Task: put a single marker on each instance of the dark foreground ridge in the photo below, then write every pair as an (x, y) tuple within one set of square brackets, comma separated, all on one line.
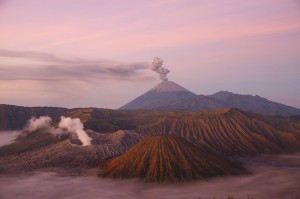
[(167, 159)]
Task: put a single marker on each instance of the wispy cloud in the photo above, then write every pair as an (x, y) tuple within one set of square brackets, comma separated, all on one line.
[(54, 67)]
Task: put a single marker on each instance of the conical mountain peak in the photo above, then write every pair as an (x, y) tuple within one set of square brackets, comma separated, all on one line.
[(168, 86), (160, 97), (167, 158)]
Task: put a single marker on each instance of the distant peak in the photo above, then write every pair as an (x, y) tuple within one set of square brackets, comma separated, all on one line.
[(168, 86), (228, 94), (223, 93)]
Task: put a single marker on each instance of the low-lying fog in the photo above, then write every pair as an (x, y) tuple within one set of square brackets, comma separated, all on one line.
[(274, 177), (7, 137)]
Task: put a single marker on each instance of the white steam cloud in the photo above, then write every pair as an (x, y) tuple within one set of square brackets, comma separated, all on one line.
[(72, 125), (75, 126), (157, 67), (38, 123)]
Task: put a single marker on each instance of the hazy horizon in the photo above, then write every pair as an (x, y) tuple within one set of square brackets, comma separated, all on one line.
[(77, 53)]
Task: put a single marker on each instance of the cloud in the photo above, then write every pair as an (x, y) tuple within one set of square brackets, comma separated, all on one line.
[(53, 67), (270, 179)]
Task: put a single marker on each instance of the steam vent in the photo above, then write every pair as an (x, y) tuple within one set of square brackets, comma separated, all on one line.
[(166, 159)]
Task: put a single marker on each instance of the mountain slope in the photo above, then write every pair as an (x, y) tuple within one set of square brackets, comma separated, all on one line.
[(160, 96), (168, 86), (194, 103), (166, 158), (170, 96), (224, 99), (226, 131), (254, 104)]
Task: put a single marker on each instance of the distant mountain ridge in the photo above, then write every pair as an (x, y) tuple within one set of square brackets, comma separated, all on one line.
[(255, 104), (15, 117), (171, 96)]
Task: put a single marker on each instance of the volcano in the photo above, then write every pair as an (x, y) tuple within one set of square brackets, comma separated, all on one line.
[(160, 97), (168, 95), (167, 159)]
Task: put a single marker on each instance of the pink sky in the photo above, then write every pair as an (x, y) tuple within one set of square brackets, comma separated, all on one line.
[(246, 47)]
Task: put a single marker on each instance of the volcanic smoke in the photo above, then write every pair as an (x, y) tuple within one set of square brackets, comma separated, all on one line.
[(72, 125), (75, 126), (157, 67), (38, 123)]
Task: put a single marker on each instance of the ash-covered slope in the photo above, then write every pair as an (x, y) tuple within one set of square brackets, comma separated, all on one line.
[(160, 97), (228, 131), (166, 158)]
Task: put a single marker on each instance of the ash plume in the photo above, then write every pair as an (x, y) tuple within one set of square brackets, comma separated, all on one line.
[(38, 123), (53, 67), (75, 126), (157, 67)]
